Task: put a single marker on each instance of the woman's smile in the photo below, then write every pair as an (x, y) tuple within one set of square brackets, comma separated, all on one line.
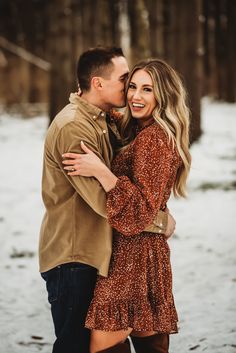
[(137, 106)]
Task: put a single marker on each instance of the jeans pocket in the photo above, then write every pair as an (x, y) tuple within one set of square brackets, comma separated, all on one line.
[(52, 279)]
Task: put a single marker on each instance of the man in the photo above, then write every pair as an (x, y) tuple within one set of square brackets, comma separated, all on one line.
[(76, 239)]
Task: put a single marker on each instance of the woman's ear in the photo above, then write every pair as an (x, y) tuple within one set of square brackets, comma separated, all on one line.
[(96, 82)]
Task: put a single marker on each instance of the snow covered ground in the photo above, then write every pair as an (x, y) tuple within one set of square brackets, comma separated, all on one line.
[(203, 249)]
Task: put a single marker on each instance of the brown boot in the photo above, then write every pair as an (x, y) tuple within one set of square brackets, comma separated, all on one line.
[(158, 343), (118, 348)]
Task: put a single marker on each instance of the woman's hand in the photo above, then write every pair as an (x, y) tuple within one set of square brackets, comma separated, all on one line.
[(87, 164), (171, 223)]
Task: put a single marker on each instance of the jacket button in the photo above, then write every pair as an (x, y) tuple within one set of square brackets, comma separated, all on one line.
[(104, 131), (94, 117), (102, 114)]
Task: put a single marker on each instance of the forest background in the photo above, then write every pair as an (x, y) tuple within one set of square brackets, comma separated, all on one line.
[(40, 42)]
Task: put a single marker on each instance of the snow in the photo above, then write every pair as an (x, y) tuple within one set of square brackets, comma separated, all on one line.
[(203, 248)]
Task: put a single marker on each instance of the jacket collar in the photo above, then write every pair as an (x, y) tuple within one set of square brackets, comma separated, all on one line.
[(90, 108)]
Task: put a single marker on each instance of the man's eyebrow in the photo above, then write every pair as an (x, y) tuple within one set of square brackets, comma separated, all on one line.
[(124, 75)]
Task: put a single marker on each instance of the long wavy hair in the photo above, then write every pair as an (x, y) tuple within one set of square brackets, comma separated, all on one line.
[(171, 113)]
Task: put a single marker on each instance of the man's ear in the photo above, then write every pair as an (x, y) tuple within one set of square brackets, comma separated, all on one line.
[(96, 82)]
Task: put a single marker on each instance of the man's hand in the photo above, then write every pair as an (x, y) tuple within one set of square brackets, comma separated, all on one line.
[(170, 225)]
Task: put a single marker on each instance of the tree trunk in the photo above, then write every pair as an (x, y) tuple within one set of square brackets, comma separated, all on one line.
[(169, 31), (104, 32), (62, 77), (155, 19), (220, 38), (114, 10), (139, 31), (231, 52), (206, 46), (183, 50)]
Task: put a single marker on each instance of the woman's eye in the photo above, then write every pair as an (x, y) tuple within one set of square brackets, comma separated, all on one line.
[(147, 89), (132, 86)]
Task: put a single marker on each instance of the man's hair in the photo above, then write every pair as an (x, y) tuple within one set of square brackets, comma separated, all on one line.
[(96, 62)]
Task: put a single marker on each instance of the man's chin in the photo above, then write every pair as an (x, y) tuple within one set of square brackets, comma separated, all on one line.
[(120, 105)]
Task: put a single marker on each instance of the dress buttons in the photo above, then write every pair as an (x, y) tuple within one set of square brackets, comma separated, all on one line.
[(94, 117), (102, 114), (104, 131)]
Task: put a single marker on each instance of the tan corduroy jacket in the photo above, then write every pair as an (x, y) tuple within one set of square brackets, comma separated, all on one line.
[(75, 227)]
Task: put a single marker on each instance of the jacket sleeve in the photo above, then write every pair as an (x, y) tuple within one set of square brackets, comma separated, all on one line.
[(133, 204), (88, 188)]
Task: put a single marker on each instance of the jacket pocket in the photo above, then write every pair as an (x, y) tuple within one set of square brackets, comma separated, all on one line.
[(52, 279)]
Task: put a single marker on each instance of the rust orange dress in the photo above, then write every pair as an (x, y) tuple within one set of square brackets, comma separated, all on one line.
[(138, 290)]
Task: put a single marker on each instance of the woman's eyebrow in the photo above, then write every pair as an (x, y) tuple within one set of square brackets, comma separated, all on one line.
[(144, 85)]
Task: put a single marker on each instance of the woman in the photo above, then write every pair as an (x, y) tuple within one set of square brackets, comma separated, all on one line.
[(136, 298)]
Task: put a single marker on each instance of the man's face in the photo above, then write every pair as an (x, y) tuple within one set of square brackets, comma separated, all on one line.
[(113, 92)]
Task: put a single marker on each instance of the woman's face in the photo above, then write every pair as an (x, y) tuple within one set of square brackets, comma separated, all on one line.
[(140, 97)]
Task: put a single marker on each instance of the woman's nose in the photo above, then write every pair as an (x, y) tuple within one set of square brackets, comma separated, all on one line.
[(137, 94)]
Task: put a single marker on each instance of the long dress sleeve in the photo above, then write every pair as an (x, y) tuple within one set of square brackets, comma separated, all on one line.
[(133, 203)]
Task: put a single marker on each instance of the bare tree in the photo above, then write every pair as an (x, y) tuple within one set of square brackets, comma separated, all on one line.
[(139, 31), (155, 9), (183, 49), (230, 95), (62, 77)]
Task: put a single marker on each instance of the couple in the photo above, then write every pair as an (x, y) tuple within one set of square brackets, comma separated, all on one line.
[(148, 148)]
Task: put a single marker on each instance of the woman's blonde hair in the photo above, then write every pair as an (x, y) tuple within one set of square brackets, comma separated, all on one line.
[(171, 113)]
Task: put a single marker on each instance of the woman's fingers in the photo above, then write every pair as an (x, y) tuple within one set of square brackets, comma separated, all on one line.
[(77, 155), (85, 148), (70, 161), (76, 172), (70, 155), (71, 168)]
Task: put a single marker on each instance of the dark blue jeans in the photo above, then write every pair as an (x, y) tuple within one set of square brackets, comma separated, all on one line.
[(70, 290)]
